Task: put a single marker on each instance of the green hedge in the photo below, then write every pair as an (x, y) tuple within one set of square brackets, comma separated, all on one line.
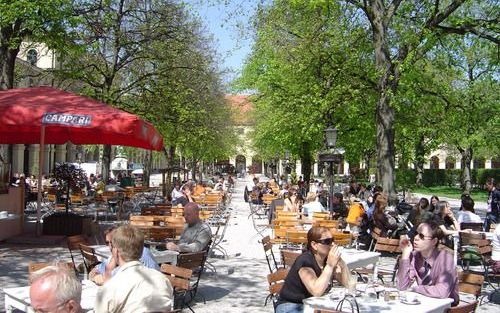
[(442, 177)]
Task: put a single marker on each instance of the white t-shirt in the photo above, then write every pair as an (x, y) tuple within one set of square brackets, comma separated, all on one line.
[(495, 254), (468, 217), (311, 207)]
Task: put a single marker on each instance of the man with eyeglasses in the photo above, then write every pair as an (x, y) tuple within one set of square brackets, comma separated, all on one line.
[(106, 269), (425, 269), (55, 289)]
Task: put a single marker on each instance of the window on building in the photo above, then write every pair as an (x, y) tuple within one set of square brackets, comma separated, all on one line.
[(450, 163), (434, 163), (32, 56), (479, 163), (495, 162)]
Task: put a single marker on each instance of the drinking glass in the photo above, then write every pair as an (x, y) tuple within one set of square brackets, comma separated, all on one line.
[(351, 285)]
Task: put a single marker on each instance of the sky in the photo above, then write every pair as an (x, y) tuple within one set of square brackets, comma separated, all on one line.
[(227, 21)]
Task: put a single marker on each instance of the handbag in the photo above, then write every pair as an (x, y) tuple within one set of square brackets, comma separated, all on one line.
[(351, 300)]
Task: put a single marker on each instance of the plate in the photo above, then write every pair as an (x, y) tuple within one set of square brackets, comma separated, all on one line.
[(410, 303)]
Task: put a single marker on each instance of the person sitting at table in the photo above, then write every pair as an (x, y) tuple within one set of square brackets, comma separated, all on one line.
[(55, 288), (312, 205), (106, 269), (467, 214), (431, 268), (134, 287), (339, 209), (420, 212), (199, 189), (186, 196), (355, 214), (495, 253), (292, 201), (447, 222), (176, 193), (493, 208), (196, 234), (312, 272), (381, 219)]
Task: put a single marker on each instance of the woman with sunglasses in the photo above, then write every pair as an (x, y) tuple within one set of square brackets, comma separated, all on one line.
[(431, 268), (312, 272)]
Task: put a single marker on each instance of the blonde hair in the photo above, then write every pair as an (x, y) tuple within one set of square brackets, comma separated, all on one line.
[(311, 196), (129, 241)]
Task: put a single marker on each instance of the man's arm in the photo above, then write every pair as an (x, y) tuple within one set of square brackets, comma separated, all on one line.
[(446, 281), (406, 272)]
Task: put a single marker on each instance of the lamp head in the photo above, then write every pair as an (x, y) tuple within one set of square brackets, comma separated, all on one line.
[(330, 136)]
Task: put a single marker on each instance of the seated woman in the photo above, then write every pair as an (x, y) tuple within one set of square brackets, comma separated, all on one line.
[(292, 201), (312, 271), (446, 221), (381, 219), (312, 205)]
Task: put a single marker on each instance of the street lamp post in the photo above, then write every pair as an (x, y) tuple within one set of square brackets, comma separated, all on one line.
[(330, 156)]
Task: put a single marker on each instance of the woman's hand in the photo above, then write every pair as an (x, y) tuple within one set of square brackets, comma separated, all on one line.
[(406, 247), (333, 256)]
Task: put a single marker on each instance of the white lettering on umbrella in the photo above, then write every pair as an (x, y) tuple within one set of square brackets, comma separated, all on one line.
[(67, 119)]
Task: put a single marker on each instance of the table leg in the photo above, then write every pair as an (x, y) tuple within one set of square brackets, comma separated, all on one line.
[(455, 249)]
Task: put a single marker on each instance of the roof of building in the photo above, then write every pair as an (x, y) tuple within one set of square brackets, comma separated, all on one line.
[(242, 109)]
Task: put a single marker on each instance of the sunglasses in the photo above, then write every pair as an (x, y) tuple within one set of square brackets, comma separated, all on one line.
[(326, 241), (108, 243), (423, 237)]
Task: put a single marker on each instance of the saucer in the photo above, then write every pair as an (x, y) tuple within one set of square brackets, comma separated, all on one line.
[(410, 303)]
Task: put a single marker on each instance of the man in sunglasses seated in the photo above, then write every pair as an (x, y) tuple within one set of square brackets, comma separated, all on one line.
[(425, 269), (106, 269)]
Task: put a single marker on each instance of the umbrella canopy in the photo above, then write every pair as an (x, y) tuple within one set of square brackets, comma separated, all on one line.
[(70, 117)]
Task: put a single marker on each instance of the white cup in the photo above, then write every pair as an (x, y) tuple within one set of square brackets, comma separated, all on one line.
[(411, 297)]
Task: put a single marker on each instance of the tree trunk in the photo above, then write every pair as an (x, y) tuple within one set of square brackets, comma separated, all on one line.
[(306, 162), (386, 85), (106, 163), (465, 177), (170, 153), (7, 67), (419, 161), (146, 174)]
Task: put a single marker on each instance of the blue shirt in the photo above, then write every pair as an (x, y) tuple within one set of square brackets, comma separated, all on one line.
[(147, 259)]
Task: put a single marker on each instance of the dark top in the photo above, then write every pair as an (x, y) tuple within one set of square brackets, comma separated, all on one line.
[(294, 290), (340, 209), (384, 223)]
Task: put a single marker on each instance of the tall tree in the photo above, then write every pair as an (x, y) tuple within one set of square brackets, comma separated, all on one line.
[(40, 21)]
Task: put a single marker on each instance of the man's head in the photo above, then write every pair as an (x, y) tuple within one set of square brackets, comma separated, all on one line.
[(127, 243), (55, 289), (191, 213), (337, 198), (490, 184), (467, 203), (427, 238)]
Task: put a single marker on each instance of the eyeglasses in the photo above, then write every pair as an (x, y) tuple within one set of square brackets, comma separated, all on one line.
[(423, 237), (108, 243), (326, 241)]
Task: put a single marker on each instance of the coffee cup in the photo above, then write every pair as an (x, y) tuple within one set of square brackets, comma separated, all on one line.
[(411, 297)]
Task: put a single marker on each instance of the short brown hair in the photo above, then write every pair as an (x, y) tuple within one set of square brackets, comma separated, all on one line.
[(129, 241)]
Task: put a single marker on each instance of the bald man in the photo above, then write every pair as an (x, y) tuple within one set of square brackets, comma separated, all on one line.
[(196, 234), (55, 289)]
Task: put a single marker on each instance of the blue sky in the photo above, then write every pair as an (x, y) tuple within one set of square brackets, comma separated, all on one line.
[(228, 21)]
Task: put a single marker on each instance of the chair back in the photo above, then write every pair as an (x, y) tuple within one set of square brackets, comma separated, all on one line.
[(296, 237), (387, 245), (473, 226), (470, 282), (33, 267), (276, 281), (269, 253), (342, 239), (320, 215), (179, 277), (288, 257), (466, 308), (89, 258)]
